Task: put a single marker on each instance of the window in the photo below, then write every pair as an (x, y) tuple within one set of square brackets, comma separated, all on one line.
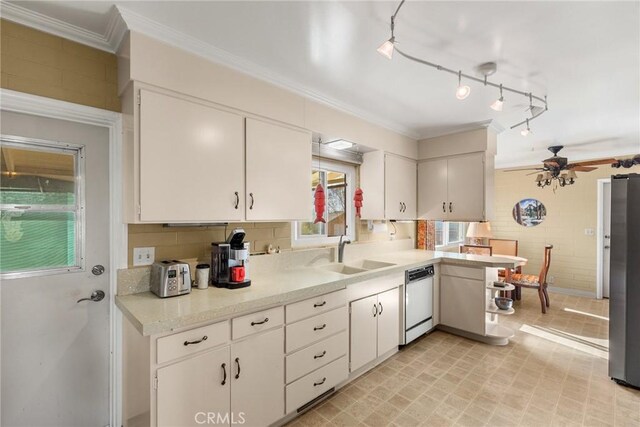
[(41, 208), (450, 233), (337, 179)]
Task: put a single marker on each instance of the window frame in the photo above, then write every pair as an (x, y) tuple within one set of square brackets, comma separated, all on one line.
[(78, 151), (350, 171), (446, 244)]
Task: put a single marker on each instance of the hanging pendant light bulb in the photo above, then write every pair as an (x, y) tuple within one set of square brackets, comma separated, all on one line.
[(386, 48), (497, 104), (462, 91), (527, 131)]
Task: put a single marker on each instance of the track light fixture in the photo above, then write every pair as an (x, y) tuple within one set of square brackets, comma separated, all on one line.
[(389, 47), (497, 104), (463, 90)]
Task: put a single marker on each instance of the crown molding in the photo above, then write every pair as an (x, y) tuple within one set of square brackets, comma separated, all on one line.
[(116, 29), (30, 18), (466, 127), (168, 35)]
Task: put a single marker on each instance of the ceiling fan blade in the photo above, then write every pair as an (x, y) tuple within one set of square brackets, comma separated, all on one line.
[(536, 172), (583, 168), (524, 169), (592, 163), (552, 163)]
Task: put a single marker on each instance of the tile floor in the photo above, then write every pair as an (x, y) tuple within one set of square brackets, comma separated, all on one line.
[(554, 372)]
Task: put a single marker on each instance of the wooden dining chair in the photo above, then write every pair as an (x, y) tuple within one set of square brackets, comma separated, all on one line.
[(475, 250), (535, 282)]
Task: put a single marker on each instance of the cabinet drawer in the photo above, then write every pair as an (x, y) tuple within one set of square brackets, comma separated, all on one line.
[(313, 385), (465, 272), (316, 328), (316, 305), (256, 322), (319, 354), (191, 341)]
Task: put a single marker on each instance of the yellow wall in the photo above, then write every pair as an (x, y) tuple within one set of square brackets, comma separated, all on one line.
[(570, 210), (46, 65), (188, 243)]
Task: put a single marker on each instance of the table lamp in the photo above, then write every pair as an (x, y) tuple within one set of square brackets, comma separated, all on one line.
[(478, 231)]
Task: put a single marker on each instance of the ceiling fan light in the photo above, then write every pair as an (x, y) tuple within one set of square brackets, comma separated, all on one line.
[(571, 174), (539, 177), (462, 92), (386, 48), (497, 104)]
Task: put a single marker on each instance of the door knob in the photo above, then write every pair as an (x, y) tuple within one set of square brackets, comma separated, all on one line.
[(95, 297)]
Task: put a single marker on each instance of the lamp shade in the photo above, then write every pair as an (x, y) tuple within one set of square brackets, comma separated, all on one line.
[(479, 230)]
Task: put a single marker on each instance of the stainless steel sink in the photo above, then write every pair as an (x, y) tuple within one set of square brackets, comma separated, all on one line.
[(367, 264), (342, 268)]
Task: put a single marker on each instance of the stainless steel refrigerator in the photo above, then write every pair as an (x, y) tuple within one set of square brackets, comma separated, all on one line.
[(624, 303)]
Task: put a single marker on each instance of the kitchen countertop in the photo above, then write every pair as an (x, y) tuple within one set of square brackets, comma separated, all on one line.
[(152, 315)]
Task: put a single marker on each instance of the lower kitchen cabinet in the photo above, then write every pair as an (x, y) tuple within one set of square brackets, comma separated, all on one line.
[(190, 389), (257, 378), (375, 327)]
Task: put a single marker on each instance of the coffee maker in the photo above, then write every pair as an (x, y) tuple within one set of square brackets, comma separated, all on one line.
[(230, 262)]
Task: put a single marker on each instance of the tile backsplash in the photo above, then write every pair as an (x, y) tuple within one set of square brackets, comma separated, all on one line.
[(195, 242)]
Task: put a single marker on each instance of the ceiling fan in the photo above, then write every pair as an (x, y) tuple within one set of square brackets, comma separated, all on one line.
[(558, 168)]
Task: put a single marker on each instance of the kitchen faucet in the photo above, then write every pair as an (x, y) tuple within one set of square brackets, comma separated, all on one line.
[(341, 244)]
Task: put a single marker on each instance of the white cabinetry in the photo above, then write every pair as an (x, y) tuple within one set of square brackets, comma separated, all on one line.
[(278, 172), (456, 188), (187, 150), (389, 185), (375, 327)]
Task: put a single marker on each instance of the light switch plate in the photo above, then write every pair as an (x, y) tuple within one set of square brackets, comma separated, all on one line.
[(143, 256)]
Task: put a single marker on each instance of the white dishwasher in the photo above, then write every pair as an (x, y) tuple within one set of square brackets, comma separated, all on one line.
[(417, 316)]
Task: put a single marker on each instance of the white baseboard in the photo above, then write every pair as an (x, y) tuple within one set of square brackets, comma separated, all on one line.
[(573, 292)]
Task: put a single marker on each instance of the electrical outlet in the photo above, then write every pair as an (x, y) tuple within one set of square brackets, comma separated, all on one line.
[(143, 256), (588, 231), (551, 279)]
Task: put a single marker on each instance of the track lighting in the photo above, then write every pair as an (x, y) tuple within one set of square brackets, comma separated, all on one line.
[(386, 48), (527, 131), (463, 90), (497, 105)]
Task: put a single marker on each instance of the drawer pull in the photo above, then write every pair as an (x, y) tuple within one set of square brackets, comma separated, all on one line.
[(266, 319), (224, 372), (319, 328), (380, 306), (318, 356), (319, 305), (320, 382), (204, 338), (238, 364), (375, 310)]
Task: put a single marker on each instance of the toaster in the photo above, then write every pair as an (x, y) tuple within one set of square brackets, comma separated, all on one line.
[(170, 278)]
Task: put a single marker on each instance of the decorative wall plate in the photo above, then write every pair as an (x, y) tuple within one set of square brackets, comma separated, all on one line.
[(529, 212)]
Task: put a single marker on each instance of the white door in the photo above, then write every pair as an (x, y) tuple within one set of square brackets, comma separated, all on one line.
[(400, 187), (364, 331), (465, 187), (190, 390), (278, 172), (191, 161), (257, 390), (388, 321), (606, 232), (432, 185), (54, 229)]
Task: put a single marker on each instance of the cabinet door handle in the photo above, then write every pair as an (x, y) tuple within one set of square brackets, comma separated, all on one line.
[(251, 196), (319, 328), (450, 206), (238, 364), (224, 372), (400, 206), (204, 338), (444, 207), (375, 310), (318, 356), (320, 382), (237, 200), (319, 305), (381, 308), (266, 319)]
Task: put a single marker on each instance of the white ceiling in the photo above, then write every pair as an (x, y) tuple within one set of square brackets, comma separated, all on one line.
[(584, 55)]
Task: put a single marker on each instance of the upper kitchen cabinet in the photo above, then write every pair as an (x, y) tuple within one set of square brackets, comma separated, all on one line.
[(389, 186), (191, 161), (456, 188), (278, 163)]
